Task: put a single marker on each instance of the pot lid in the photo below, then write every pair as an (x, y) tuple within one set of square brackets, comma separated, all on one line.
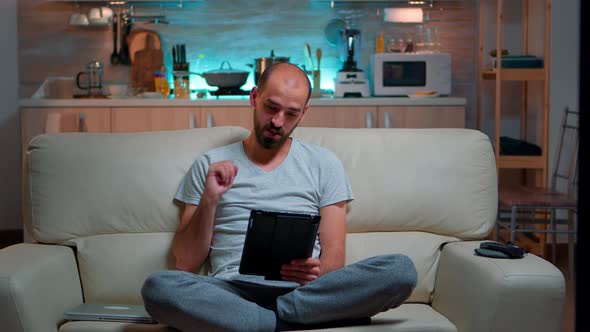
[(272, 57), (228, 70)]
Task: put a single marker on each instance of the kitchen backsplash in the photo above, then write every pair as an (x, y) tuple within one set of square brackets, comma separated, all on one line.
[(238, 31)]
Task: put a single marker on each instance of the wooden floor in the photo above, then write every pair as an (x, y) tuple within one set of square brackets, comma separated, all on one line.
[(568, 322)]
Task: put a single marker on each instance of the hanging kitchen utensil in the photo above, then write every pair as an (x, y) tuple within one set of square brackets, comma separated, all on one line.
[(126, 25), (115, 54), (333, 31)]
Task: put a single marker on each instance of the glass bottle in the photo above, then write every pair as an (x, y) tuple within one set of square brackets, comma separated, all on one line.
[(164, 85), (380, 43)]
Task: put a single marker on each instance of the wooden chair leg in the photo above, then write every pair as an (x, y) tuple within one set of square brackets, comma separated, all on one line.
[(553, 236), (513, 224), (497, 227), (571, 223)]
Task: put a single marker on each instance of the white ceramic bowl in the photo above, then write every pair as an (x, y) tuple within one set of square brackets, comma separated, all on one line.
[(101, 15), (79, 19)]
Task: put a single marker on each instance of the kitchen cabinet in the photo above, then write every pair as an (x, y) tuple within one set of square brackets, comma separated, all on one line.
[(341, 117), (421, 117), (36, 121), (226, 116), (135, 119)]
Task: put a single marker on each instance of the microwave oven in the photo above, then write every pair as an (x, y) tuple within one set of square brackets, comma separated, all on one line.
[(402, 74)]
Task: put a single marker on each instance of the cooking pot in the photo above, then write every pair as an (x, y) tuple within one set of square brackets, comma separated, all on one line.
[(263, 63), (226, 78), (222, 78)]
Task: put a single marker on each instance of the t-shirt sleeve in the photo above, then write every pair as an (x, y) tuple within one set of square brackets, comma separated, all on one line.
[(334, 184), (192, 185)]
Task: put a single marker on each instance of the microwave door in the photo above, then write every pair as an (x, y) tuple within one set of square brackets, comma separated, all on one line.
[(404, 74)]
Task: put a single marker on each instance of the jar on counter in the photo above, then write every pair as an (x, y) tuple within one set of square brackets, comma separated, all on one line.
[(161, 82), (397, 45)]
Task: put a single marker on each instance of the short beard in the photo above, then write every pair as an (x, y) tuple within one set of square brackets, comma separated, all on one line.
[(267, 142)]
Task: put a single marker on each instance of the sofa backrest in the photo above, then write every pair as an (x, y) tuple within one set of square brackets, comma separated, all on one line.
[(110, 196), (440, 181)]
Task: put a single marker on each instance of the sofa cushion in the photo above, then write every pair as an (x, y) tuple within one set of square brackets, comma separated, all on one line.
[(113, 267), (86, 184), (422, 248), (408, 317), (440, 181)]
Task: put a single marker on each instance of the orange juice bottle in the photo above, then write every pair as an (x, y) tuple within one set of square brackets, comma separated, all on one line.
[(380, 43), (164, 85), (157, 80)]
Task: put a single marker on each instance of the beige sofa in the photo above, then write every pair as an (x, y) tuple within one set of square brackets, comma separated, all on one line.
[(100, 207)]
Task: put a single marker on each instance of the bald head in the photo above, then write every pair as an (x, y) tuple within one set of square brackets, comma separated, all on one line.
[(284, 72)]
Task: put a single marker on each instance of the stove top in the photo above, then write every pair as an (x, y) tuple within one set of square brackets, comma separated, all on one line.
[(229, 92)]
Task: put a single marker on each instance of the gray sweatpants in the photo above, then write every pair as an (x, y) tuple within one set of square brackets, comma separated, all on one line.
[(192, 302)]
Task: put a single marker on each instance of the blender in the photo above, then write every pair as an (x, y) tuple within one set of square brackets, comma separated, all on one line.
[(351, 81)]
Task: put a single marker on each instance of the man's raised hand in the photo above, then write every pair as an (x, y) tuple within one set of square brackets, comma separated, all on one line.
[(220, 178)]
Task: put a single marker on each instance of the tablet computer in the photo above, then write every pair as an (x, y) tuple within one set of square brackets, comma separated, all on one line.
[(276, 238)]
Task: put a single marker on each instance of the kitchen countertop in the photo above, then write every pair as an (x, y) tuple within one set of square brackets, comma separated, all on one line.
[(236, 101)]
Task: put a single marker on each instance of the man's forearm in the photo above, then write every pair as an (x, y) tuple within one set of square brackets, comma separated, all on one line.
[(331, 261), (191, 244)]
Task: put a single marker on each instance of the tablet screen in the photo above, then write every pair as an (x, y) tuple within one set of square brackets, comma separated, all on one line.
[(276, 238)]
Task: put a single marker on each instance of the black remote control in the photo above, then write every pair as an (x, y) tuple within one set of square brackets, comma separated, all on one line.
[(509, 249)]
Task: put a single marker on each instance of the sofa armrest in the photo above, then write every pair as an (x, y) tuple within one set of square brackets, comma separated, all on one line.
[(37, 283), (485, 294)]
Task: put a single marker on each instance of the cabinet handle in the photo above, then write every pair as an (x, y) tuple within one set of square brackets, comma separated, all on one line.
[(191, 120), (387, 121), (369, 120), (210, 120), (82, 126)]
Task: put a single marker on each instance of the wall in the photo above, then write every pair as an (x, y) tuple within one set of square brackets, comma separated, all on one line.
[(9, 128), (237, 31), (565, 59)]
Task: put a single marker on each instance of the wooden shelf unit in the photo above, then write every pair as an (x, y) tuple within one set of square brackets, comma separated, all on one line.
[(534, 74), (527, 162), (525, 75)]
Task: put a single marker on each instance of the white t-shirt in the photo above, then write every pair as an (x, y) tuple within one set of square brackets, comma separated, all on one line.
[(311, 177)]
